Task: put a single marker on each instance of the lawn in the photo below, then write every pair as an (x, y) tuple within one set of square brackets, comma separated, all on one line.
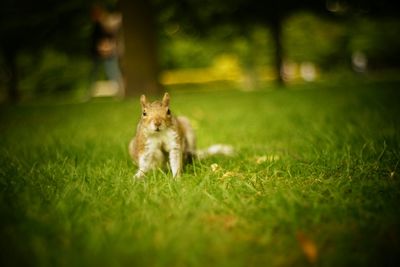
[(314, 181)]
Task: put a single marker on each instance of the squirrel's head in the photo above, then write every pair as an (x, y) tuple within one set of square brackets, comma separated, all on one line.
[(156, 116)]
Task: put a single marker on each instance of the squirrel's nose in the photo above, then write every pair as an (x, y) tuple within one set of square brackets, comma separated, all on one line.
[(157, 123)]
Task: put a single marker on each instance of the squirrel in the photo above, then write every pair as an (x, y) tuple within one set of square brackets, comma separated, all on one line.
[(161, 136)]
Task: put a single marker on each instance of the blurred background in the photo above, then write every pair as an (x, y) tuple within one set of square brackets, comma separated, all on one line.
[(82, 49)]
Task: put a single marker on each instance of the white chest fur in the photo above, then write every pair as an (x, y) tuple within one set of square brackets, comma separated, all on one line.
[(157, 146), (164, 141)]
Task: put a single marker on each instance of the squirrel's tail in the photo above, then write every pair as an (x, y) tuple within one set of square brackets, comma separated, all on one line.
[(214, 150)]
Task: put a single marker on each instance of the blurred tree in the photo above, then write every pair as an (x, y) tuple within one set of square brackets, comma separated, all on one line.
[(206, 15), (30, 26), (203, 16), (378, 39), (371, 27), (310, 38), (140, 58)]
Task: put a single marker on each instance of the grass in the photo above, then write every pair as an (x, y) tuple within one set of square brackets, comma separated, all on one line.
[(315, 182)]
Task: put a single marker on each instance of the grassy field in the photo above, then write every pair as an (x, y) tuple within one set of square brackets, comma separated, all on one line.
[(315, 181)]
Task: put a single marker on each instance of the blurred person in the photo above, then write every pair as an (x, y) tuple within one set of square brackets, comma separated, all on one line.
[(105, 50)]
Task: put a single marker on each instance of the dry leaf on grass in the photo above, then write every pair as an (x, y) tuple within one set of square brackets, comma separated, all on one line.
[(215, 167), (265, 158), (308, 246), (226, 221), (228, 174), (231, 174)]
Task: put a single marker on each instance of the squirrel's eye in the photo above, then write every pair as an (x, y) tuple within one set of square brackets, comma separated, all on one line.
[(144, 113), (168, 112)]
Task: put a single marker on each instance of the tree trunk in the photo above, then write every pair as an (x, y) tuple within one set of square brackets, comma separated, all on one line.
[(140, 59), (276, 29), (10, 58)]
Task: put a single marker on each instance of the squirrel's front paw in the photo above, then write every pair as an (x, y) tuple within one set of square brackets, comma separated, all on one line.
[(139, 175)]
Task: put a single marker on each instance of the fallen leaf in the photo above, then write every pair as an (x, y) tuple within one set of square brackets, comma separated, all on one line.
[(265, 158), (215, 167), (308, 246), (231, 174), (226, 221), (261, 159)]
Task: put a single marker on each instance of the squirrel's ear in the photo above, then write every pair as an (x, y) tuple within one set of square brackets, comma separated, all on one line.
[(165, 100), (143, 101)]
